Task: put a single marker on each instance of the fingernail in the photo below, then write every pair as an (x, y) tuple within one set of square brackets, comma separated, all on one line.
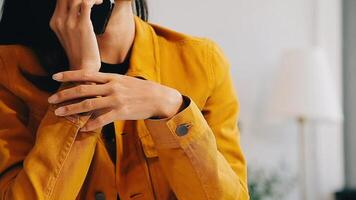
[(57, 76), (52, 99), (59, 111)]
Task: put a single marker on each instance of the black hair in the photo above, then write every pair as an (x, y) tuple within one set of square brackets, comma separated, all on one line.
[(141, 9), (26, 22)]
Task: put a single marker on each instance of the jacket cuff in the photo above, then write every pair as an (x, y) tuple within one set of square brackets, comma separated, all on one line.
[(179, 130)]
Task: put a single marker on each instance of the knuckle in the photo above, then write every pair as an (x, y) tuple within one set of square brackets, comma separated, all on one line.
[(64, 76), (111, 90), (114, 77), (57, 23), (66, 109), (87, 104), (114, 88), (80, 89), (86, 4), (52, 24), (61, 95), (116, 100), (87, 74)]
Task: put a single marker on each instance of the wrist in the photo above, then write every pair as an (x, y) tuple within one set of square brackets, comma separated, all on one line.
[(170, 104), (92, 66)]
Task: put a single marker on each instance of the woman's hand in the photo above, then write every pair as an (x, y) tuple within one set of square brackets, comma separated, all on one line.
[(121, 98), (72, 25)]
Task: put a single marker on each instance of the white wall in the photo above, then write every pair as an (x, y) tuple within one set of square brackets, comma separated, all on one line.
[(254, 34)]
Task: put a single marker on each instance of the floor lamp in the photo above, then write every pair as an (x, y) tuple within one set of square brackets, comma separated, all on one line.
[(305, 90)]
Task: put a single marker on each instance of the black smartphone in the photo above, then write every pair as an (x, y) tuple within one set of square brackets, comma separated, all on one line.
[(100, 15)]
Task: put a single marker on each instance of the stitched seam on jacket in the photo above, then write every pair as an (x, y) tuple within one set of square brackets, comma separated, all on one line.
[(63, 156), (242, 189), (208, 55), (190, 153), (146, 170), (192, 157), (209, 59)]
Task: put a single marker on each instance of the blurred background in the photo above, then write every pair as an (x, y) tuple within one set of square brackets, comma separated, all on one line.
[(292, 62)]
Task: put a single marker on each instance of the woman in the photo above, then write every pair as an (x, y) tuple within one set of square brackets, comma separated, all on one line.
[(161, 125)]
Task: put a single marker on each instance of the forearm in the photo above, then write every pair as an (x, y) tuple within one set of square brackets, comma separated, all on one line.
[(199, 171), (56, 166)]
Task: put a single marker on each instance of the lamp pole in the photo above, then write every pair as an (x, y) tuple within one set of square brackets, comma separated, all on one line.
[(302, 158)]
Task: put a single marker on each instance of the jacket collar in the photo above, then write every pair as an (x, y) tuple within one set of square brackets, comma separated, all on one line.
[(144, 61)]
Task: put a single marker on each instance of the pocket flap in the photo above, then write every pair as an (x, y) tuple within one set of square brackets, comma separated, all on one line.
[(146, 140)]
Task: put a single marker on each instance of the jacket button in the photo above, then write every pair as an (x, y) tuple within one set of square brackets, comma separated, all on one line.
[(99, 196), (182, 129)]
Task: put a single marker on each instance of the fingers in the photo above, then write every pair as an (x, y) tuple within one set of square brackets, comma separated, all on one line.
[(85, 10), (98, 2), (77, 92), (67, 14), (99, 122), (62, 7), (73, 14), (84, 106), (82, 76)]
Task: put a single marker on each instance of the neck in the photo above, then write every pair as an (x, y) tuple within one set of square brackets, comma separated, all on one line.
[(115, 43)]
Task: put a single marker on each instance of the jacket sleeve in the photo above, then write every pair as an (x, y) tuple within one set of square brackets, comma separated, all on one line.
[(49, 164), (200, 152)]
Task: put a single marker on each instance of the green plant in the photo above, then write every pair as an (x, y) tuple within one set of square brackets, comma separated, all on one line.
[(269, 185)]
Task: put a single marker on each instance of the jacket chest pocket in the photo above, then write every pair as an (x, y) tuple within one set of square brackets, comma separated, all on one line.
[(146, 140), (160, 185)]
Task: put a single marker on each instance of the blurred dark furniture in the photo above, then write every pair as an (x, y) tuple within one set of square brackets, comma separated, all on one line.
[(347, 194)]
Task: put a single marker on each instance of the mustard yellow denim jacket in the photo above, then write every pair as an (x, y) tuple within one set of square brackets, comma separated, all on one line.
[(194, 155)]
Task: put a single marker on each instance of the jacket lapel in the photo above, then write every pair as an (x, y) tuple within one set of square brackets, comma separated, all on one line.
[(144, 61)]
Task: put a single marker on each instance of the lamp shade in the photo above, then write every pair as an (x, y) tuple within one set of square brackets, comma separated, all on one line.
[(305, 87)]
